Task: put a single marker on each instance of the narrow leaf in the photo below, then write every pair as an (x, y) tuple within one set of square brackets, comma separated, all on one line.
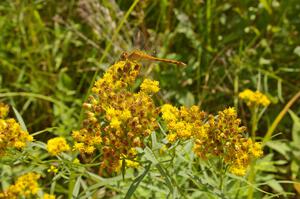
[(20, 119)]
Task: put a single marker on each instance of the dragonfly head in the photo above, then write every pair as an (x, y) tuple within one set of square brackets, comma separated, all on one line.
[(124, 56)]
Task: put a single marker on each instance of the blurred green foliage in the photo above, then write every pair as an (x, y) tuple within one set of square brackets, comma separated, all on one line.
[(50, 50)]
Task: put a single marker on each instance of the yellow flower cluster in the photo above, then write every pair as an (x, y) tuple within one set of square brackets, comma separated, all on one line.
[(183, 123), (219, 136), (3, 110), (11, 134), (49, 196), (26, 186), (150, 86), (117, 119), (57, 145), (254, 98), (128, 163), (224, 138), (52, 169)]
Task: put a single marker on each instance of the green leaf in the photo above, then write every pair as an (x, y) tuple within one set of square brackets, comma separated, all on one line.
[(76, 187), (166, 176), (280, 147), (275, 186), (188, 99), (295, 169), (266, 164), (296, 127), (266, 5), (149, 155), (155, 145), (297, 51), (136, 182), (20, 119)]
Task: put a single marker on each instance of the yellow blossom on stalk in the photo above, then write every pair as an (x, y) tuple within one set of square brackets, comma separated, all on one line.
[(182, 123), (225, 138), (169, 112), (150, 86), (57, 145), (240, 171), (48, 196), (254, 98), (25, 186), (132, 164), (3, 110), (11, 133), (117, 119), (52, 169), (128, 163)]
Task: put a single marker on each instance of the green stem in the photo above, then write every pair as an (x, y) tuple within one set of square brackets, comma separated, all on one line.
[(279, 118), (254, 122), (221, 176), (251, 179)]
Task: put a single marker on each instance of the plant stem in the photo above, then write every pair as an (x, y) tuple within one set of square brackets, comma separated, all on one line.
[(279, 118), (251, 179), (254, 122)]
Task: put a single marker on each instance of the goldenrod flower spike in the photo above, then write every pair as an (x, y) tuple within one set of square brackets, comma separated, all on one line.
[(117, 119)]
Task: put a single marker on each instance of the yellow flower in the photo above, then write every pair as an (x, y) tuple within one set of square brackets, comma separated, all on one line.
[(224, 137), (254, 98), (90, 149), (132, 164), (79, 146), (169, 112), (3, 110), (256, 150), (57, 145), (150, 86), (115, 123), (49, 196), (25, 186), (52, 169), (240, 171), (117, 118), (182, 123), (11, 133), (171, 137)]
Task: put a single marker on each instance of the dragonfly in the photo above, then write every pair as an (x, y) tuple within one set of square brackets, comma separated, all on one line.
[(138, 55)]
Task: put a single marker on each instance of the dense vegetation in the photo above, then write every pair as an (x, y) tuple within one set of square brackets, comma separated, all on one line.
[(52, 52)]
